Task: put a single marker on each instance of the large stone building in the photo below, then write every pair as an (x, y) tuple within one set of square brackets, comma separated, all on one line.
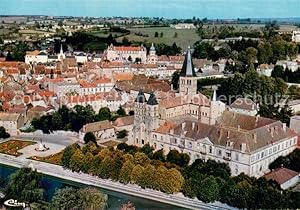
[(150, 112), (205, 129), (125, 54)]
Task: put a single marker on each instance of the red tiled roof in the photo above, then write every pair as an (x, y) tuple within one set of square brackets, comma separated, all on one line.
[(124, 48), (281, 175)]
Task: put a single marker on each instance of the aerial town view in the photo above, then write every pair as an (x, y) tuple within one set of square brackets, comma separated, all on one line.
[(149, 105)]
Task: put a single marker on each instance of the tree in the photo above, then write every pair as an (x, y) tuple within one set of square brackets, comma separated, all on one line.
[(122, 134), (25, 185), (136, 174), (125, 172), (121, 112), (141, 159), (105, 171), (180, 159), (278, 72), (174, 180), (175, 80), (175, 35), (159, 155), (161, 34), (104, 114), (148, 177), (90, 137), (3, 133), (77, 199), (129, 58), (156, 34), (77, 161), (208, 190), (68, 153)]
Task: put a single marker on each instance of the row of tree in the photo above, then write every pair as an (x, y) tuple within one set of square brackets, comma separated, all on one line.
[(246, 52), (124, 167), (208, 181), (74, 119), (265, 91)]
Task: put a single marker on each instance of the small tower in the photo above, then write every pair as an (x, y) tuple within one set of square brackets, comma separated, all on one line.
[(61, 55), (139, 128), (216, 108), (188, 77), (152, 116), (152, 59)]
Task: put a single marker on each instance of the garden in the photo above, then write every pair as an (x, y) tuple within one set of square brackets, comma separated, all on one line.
[(11, 147)]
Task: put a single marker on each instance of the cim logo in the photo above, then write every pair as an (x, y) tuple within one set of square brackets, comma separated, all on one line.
[(14, 203)]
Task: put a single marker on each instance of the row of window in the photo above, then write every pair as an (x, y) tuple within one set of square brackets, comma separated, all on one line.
[(273, 149)]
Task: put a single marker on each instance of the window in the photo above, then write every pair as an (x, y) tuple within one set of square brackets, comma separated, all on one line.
[(220, 152), (262, 155), (143, 142), (155, 145), (252, 158), (210, 149), (237, 156), (278, 147)]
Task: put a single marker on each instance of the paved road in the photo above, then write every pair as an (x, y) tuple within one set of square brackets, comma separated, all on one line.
[(58, 171), (49, 138)]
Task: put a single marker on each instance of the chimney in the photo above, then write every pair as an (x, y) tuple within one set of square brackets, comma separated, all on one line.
[(284, 127), (172, 131), (193, 125), (238, 127), (228, 134), (272, 131), (254, 136), (183, 125)]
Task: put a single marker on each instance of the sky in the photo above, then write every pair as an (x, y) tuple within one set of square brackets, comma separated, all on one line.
[(154, 8)]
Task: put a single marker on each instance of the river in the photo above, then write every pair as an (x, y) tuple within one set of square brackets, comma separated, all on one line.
[(115, 199)]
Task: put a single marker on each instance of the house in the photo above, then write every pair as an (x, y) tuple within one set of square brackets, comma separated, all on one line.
[(296, 36), (265, 69), (11, 122), (286, 178), (126, 54), (101, 130), (244, 106), (124, 123)]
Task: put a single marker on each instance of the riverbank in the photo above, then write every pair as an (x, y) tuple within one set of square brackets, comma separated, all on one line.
[(133, 190)]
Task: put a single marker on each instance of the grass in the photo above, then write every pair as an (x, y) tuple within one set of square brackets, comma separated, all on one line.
[(110, 144), (52, 159), (11, 147), (104, 34), (184, 38), (29, 31)]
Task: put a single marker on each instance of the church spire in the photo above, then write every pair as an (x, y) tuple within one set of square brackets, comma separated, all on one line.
[(188, 69), (61, 49)]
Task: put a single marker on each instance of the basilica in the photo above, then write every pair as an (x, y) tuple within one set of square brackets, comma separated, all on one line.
[(205, 128)]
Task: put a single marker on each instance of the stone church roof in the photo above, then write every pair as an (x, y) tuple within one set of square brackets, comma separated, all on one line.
[(152, 100), (188, 69), (141, 97)]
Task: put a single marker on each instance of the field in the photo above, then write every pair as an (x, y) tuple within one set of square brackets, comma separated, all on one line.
[(11, 147), (53, 159), (103, 34), (28, 31), (184, 37)]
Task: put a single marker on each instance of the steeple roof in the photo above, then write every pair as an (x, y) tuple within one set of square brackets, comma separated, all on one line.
[(141, 97), (152, 100), (188, 69), (152, 48)]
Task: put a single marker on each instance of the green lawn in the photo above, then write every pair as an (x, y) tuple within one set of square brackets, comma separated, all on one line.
[(184, 38)]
